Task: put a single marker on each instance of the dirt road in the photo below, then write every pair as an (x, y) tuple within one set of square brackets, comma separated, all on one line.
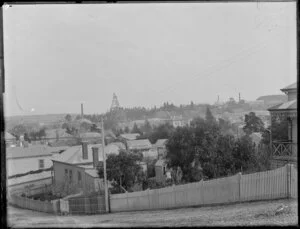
[(255, 213)]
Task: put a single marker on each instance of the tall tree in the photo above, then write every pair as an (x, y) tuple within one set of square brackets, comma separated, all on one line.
[(123, 170), (135, 129), (68, 118), (208, 116), (163, 131), (253, 124), (146, 128), (126, 129)]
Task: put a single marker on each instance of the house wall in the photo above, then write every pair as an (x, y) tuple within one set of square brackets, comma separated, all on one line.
[(88, 183), (60, 177), (292, 96), (24, 165), (294, 129)]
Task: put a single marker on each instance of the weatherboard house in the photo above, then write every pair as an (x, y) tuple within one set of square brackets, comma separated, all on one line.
[(76, 168), (286, 151)]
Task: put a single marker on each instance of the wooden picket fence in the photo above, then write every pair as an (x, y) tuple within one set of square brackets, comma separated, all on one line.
[(273, 184), (36, 205)]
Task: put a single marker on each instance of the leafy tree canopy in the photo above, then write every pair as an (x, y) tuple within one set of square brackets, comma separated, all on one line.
[(253, 124), (123, 169)]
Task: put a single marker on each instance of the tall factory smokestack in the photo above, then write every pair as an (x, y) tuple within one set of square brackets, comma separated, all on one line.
[(82, 110)]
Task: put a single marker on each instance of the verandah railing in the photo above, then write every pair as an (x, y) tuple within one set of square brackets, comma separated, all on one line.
[(284, 148)]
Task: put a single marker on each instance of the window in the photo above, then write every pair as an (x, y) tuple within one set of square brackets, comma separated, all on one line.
[(79, 177), (164, 170), (66, 173), (70, 175), (41, 164)]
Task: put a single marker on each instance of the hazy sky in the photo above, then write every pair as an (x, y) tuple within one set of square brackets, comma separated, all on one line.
[(57, 56)]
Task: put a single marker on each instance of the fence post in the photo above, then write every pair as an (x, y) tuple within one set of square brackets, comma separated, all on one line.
[(149, 206), (288, 180), (127, 200), (174, 193), (240, 185)]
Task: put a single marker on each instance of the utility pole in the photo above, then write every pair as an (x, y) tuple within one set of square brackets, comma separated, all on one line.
[(104, 166)]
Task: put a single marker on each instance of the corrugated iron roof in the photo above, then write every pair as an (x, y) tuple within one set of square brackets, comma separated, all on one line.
[(289, 105), (290, 87), (161, 142), (132, 136), (73, 155), (28, 178), (139, 144), (30, 151)]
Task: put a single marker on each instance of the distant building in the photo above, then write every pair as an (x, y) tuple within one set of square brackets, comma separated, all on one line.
[(132, 136), (10, 140), (160, 146), (271, 100), (91, 137), (177, 121), (140, 145), (161, 170)]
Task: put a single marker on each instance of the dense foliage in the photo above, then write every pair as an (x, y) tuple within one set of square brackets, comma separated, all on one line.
[(202, 151), (123, 170)]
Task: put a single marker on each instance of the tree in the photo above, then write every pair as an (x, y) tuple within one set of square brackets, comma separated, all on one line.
[(68, 118), (202, 151), (122, 169), (64, 125), (126, 129), (253, 124), (135, 129), (163, 131), (26, 137), (19, 130), (147, 127), (209, 117), (244, 155)]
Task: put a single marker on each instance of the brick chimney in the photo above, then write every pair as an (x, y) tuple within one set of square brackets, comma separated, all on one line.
[(95, 156), (84, 150)]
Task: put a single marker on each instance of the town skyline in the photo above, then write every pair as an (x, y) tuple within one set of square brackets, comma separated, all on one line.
[(50, 69)]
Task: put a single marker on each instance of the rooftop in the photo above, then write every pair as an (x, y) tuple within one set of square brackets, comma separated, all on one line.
[(139, 144), (90, 135), (160, 162), (161, 142), (28, 178), (290, 87), (132, 136), (290, 105), (8, 136), (73, 155), (27, 152)]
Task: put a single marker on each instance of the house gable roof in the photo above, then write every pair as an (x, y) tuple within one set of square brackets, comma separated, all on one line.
[(9, 136)]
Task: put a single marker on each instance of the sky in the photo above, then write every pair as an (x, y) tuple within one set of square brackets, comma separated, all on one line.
[(58, 56)]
